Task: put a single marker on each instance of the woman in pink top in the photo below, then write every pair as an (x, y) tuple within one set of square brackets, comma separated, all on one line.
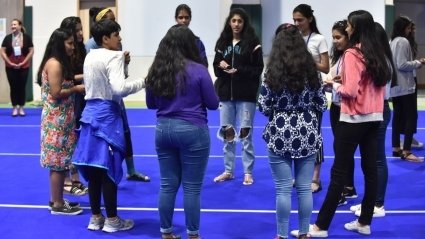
[(364, 75)]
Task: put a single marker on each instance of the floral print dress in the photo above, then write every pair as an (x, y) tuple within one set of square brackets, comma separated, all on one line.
[(58, 136)]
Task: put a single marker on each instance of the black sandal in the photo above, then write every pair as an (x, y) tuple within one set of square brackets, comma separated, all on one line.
[(398, 153), (81, 186), (73, 190), (138, 177)]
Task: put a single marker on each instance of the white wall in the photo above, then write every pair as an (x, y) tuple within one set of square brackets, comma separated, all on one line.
[(145, 22), (45, 21), (272, 17), (327, 12)]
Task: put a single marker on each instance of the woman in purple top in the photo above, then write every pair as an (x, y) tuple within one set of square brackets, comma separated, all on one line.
[(180, 88)]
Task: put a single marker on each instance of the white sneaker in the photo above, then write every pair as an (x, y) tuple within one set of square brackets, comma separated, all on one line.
[(355, 227), (117, 224), (96, 223), (311, 232), (355, 207), (377, 211), (415, 144)]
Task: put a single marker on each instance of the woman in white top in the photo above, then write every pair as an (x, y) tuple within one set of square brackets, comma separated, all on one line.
[(316, 43), (101, 146)]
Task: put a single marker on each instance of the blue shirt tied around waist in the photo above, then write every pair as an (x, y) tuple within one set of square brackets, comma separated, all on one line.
[(101, 142)]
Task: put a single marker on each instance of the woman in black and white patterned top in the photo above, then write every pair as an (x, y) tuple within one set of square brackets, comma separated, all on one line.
[(292, 97)]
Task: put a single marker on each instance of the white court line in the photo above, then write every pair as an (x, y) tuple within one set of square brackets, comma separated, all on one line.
[(212, 210)]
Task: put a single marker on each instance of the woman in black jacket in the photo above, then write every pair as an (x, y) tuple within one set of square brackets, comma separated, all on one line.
[(238, 64)]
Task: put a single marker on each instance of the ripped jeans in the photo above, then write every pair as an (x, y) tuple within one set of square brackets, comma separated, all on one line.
[(233, 114)]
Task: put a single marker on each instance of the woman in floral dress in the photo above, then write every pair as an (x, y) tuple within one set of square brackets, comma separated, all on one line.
[(58, 138)]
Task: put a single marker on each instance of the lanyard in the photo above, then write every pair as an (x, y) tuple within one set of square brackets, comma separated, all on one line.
[(16, 40), (308, 39), (338, 64)]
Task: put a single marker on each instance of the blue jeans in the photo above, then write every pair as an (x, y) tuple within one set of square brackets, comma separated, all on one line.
[(241, 113), (381, 159), (281, 168), (183, 150)]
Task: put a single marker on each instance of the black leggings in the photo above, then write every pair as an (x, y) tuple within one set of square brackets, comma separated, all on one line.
[(99, 182), (17, 80), (348, 137), (405, 115), (334, 116)]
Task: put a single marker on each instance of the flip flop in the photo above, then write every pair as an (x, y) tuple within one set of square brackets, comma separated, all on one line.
[(412, 158)]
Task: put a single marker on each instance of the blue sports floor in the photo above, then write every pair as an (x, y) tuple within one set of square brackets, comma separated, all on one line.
[(230, 209)]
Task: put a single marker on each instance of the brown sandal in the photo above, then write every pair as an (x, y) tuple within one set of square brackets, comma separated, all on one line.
[(248, 180), (224, 177), (411, 158), (398, 153), (170, 236), (194, 237)]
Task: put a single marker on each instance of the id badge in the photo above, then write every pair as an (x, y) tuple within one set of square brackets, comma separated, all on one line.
[(17, 50)]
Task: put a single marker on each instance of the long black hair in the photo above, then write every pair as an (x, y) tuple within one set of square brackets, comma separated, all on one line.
[(56, 49), (364, 33), (291, 65), (411, 38), (307, 12), (399, 30), (399, 27), (248, 37), (77, 60), (176, 48), (339, 26), (382, 36)]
